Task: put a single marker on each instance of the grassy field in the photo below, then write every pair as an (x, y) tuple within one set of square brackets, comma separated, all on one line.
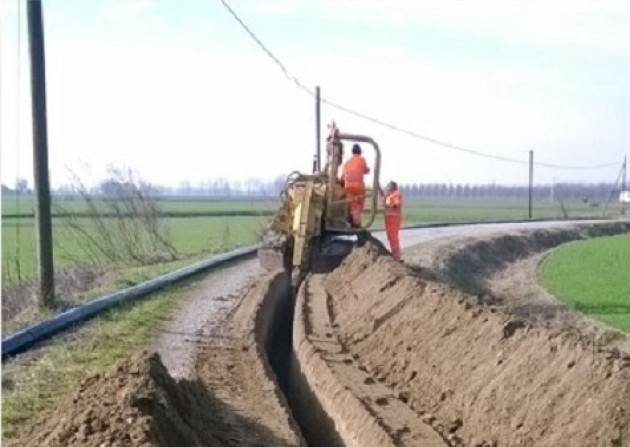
[(416, 210), (25, 205), (206, 234), (593, 276), (190, 236)]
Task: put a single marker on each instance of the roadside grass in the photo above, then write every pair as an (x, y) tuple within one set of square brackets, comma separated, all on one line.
[(593, 276), (35, 383), (112, 281)]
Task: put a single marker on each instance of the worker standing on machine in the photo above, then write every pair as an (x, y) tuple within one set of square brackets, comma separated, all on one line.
[(392, 201), (353, 171)]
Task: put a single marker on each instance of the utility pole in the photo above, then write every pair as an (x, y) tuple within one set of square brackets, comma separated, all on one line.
[(619, 181), (623, 184), (43, 222), (531, 182), (318, 128)]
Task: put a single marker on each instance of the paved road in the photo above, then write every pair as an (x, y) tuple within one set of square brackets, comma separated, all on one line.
[(416, 236)]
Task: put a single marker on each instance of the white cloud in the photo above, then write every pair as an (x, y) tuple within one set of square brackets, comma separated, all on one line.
[(176, 112), (126, 9)]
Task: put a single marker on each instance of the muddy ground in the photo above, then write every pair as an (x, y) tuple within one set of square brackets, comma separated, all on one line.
[(430, 352)]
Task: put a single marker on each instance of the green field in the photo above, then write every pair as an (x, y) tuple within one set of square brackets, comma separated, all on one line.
[(190, 236), (25, 205), (593, 276), (204, 234)]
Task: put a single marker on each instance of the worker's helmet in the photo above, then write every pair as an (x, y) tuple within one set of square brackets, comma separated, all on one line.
[(356, 149)]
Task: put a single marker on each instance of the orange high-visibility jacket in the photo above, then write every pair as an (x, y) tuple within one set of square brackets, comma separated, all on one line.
[(393, 203), (353, 171)]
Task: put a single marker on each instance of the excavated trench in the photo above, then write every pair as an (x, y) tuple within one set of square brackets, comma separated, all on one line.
[(317, 428), (315, 424), (382, 355), (366, 353)]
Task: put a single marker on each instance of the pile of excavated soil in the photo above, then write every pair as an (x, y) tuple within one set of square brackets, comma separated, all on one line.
[(135, 404), (500, 267), (230, 399), (468, 261), (479, 377)]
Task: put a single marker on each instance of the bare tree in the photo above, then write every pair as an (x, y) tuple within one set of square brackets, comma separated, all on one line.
[(120, 225)]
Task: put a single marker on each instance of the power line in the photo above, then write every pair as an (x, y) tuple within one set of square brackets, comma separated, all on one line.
[(290, 76), (267, 51)]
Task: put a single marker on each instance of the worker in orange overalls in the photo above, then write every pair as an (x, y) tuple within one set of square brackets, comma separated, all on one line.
[(353, 171), (392, 202)]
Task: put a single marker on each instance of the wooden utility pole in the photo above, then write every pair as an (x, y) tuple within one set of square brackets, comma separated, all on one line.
[(43, 222), (318, 129), (531, 183)]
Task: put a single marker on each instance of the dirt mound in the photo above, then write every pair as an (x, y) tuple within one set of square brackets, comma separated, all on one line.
[(135, 404), (475, 374), (500, 268), (468, 261)]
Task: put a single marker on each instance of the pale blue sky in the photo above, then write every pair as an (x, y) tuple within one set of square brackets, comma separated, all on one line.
[(178, 91)]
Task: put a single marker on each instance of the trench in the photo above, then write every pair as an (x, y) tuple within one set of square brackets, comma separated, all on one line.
[(315, 425)]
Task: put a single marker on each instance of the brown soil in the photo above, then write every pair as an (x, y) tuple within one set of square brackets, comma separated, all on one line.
[(233, 365), (476, 374), (230, 400), (365, 412), (394, 356), (499, 267), (135, 404), (204, 309), (468, 261)]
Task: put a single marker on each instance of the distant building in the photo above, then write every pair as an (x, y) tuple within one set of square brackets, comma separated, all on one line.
[(624, 197)]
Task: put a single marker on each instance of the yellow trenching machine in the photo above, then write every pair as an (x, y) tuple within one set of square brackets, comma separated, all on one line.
[(314, 209)]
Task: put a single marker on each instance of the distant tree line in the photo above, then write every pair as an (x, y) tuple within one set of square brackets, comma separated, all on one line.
[(555, 191), (257, 188), (214, 188)]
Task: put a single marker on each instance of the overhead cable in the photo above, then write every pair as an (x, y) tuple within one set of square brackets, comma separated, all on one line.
[(302, 86)]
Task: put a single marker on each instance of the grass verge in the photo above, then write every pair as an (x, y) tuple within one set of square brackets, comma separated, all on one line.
[(593, 276), (33, 385), (104, 282)]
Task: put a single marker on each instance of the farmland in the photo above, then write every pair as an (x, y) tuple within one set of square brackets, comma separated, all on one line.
[(593, 276), (203, 226)]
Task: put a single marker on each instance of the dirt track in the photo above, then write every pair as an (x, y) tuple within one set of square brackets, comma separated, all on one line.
[(390, 357)]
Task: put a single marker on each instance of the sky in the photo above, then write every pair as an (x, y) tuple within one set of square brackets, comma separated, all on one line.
[(177, 91)]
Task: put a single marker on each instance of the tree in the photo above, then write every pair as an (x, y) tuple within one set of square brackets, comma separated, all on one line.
[(21, 186)]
